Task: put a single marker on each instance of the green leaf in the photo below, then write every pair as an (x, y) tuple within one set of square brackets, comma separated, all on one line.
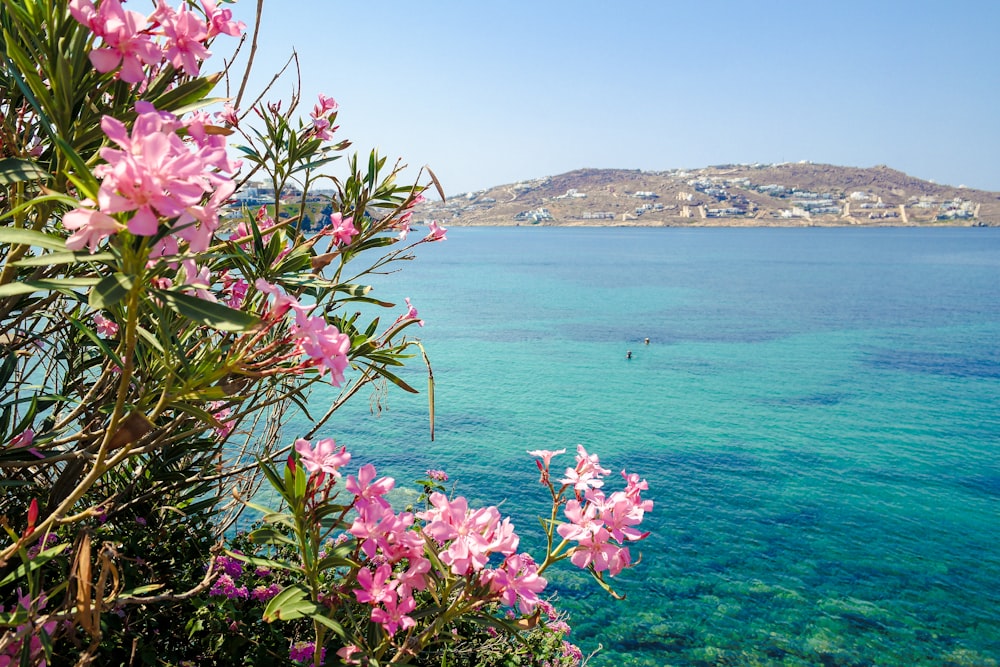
[(291, 603), (29, 286), (210, 314), (33, 564), (393, 379), (110, 291), (20, 236), (141, 590), (55, 258), (264, 562), (328, 622), (14, 170), (269, 535)]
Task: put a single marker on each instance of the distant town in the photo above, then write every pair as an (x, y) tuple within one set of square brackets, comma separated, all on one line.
[(800, 194)]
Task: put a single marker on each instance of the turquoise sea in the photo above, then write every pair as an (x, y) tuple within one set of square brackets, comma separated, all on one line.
[(817, 414)]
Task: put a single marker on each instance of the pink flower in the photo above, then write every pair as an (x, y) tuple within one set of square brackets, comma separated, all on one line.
[(583, 521), (411, 314), (347, 654), (435, 233), (517, 582), (363, 487), (437, 475), (229, 114), (25, 439), (392, 615), (220, 21), (546, 455), (471, 535), (282, 302), (375, 587), (587, 473), (324, 106), (185, 35), (153, 173), (105, 327), (342, 229), (125, 36), (324, 456), (595, 550), (324, 344), (90, 228)]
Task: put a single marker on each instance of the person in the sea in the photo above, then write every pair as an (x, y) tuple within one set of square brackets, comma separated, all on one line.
[(647, 341), (628, 355)]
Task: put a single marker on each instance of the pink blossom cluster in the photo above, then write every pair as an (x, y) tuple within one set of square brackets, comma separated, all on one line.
[(134, 41), (156, 176), (600, 524), (323, 115), (395, 545), (322, 342)]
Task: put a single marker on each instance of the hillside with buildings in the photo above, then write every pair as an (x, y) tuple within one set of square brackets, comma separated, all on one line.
[(799, 194)]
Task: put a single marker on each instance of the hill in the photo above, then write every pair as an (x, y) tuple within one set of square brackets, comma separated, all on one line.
[(800, 194)]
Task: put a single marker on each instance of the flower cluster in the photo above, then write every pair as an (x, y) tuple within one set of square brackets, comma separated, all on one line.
[(599, 524), (154, 175), (322, 342), (136, 42)]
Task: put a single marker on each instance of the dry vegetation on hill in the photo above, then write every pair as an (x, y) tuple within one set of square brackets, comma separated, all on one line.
[(801, 194)]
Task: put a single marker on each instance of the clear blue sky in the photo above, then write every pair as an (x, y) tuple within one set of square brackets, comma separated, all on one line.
[(491, 93)]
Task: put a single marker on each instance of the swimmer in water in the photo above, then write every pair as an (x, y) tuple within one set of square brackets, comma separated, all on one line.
[(628, 355)]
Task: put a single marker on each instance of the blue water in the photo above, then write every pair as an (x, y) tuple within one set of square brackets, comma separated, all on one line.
[(817, 414)]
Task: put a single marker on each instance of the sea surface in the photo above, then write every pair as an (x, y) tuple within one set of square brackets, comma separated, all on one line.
[(817, 414)]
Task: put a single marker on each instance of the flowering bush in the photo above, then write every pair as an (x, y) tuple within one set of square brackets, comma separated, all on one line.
[(155, 338)]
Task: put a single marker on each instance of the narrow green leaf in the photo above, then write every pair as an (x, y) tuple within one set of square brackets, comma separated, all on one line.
[(210, 314), (393, 379), (33, 564), (29, 286), (52, 259), (18, 235), (319, 617), (110, 291)]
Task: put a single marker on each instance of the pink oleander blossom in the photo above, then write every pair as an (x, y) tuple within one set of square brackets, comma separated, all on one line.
[(105, 326), (546, 455), (366, 489), (392, 615), (127, 41), (184, 35), (282, 302), (89, 228), (517, 582), (435, 232), (220, 21), (348, 653), (342, 229), (326, 346), (471, 535), (324, 106), (152, 174), (324, 456), (375, 587)]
